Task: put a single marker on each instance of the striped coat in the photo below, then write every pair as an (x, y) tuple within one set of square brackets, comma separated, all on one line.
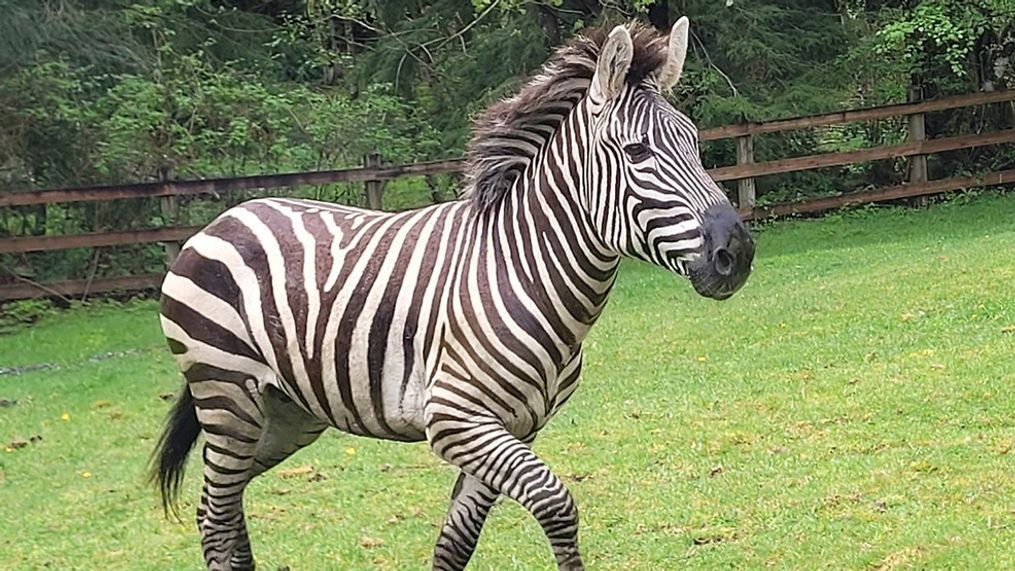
[(460, 324)]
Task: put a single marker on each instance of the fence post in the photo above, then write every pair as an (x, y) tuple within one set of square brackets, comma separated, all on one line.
[(917, 131), (170, 213), (745, 186), (374, 188)]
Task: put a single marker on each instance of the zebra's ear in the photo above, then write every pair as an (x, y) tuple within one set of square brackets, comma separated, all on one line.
[(670, 72), (612, 66)]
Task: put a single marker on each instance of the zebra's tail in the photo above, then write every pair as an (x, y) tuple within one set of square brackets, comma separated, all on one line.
[(170, 455)]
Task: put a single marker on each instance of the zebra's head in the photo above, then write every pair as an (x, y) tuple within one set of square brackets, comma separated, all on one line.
[(645, 187)]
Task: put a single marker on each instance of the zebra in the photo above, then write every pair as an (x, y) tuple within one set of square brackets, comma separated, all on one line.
[(459, 324)]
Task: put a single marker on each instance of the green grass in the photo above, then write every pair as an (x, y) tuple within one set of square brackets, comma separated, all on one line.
[(851, 408)]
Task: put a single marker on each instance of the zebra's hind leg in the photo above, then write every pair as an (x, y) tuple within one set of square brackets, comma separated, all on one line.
[(230, 416), (247, 431), (471, 501), (485, 450), (287, 428)]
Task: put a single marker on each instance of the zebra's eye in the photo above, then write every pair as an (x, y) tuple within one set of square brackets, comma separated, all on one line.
[(638, 152)]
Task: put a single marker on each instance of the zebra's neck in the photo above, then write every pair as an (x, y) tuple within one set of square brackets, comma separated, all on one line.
[(543, 238)]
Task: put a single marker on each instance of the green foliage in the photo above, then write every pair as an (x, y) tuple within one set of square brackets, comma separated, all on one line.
[(928, 28), (191, 104), (935, 39), (943, 46), (16, 315), (205, 122)]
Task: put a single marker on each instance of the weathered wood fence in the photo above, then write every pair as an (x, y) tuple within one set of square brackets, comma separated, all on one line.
[(916, 148)]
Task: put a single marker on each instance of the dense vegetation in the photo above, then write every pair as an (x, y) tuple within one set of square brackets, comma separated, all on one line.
[(851, 408), (110, 91)]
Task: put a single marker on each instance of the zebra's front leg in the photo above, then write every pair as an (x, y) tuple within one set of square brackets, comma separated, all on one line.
[(471, 501), (484, 449)]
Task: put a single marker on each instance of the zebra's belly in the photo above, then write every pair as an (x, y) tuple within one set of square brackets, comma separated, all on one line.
[(385, 403)]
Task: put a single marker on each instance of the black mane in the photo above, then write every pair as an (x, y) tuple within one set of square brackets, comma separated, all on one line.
[(511, 132)]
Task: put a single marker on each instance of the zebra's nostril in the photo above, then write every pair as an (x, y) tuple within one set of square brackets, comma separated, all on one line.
[(723, 261)]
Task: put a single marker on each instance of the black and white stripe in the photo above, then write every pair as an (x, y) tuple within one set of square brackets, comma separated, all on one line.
[(460, 324)]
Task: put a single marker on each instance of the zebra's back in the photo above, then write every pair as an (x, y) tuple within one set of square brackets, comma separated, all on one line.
[(339, 308)]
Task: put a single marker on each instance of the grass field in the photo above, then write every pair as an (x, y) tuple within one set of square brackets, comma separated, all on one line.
[(851, 408)]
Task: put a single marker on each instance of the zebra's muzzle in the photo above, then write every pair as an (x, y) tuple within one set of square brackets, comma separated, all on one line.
[(727, 254)]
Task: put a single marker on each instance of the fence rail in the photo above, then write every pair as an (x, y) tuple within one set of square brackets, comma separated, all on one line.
[(879, 195), (746, 169), (862, 155), (848, 116)]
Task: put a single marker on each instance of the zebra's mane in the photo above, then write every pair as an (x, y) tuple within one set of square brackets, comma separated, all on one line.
[(510, 133)]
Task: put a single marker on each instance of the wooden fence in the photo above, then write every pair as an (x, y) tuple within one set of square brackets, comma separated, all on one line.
[(916, 148)]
